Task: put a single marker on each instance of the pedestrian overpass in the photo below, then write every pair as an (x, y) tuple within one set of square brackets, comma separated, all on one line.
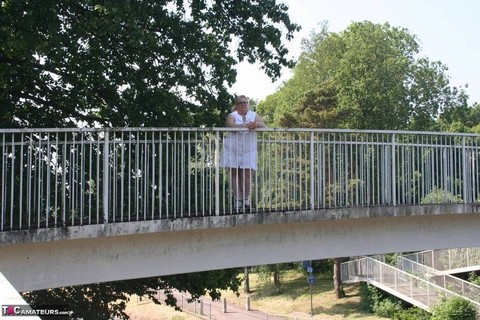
[(90, 205)]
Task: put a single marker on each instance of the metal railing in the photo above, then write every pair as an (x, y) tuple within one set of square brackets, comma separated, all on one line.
[(409, 287), (447, 259), (200, 308), (455, 284), (197, 307), (65, 177)]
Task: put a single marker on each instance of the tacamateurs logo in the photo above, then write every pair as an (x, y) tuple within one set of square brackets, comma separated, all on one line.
[(8, 310)]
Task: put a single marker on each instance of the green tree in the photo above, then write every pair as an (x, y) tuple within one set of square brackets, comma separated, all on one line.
[(66, 63), (132, 63), (275, 271), (454, 308), (108, 300), (365, 77), (461, 118)]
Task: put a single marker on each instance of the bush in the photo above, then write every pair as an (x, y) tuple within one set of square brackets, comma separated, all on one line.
[(378, 302), (455, 308), (366, 292), (412, 314), (474, 278), (386, 308), (383, 304)]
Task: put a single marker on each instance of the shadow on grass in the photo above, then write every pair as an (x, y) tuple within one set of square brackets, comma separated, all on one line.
[(345, 309), (297, 288), (292, 288)]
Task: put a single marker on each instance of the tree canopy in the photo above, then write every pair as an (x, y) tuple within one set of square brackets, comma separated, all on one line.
[(132, 62), (107, 300), (369, 76), (118, 63)]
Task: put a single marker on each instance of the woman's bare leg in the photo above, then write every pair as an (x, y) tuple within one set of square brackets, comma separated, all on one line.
[(247, 177), (236, 184)]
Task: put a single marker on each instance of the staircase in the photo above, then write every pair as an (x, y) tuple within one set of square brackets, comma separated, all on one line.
[(463, 288), (448, 261), (423, 288)]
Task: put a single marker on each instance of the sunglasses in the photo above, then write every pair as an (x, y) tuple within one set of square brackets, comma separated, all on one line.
[(242, 103)]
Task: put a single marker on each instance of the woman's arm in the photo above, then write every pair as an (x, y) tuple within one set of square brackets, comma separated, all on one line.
[(259, 123), (230, 122)]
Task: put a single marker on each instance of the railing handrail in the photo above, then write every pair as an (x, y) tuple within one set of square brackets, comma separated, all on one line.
[(463, 289), (105, 175), (226, 129), (406, 275), (437, 253)]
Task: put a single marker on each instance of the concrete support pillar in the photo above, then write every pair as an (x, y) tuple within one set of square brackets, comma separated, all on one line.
[(224, 305), (247, 303)]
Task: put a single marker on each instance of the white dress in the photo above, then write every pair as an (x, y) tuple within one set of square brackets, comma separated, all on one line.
[(240, 148)]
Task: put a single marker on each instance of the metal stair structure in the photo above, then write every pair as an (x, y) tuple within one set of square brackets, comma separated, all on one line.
[(463, 288), (423, 288), (448, 261)]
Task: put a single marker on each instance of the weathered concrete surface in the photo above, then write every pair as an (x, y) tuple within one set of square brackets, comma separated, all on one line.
[(41, 259), (10, 297)]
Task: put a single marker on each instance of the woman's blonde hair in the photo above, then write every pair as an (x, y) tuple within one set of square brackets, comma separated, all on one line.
[(237, 99)]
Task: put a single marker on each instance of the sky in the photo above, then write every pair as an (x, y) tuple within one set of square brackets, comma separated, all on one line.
[(447, 30)]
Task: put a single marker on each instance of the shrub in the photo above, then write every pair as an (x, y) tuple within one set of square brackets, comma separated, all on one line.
[(440, 196), (386, 308), (454, 308), (474, 278), (366, 300), (412, 314)]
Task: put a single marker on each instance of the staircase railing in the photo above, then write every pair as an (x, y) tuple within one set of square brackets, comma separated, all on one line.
[(464, 288), (447, 259), (409, 287)]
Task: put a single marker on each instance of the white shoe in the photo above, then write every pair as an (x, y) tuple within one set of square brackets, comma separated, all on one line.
[(239, 205), (246, 202)]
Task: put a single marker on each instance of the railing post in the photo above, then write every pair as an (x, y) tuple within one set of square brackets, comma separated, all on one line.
[(312, 173), (394, 180), (105, 176), (217, 173), (466, 192)]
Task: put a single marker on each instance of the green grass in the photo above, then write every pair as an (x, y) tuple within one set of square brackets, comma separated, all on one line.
[(293, 298)]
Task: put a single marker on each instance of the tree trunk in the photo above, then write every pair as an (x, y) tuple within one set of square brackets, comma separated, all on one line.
[(276, 279), (246, 287), (337, 278)]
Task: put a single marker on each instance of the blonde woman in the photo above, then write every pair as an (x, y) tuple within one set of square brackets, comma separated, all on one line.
[(240, 151)]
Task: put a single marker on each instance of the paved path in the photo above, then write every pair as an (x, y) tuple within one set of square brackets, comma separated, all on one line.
[(214, 310), (234, 312)]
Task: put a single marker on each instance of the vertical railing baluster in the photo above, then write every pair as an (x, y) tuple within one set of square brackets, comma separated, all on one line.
[(3, 204), (394, 173), (98, 180), (20, 197), (48, 193), (90, 178), (122, 201), (160, 174), (82, 176), (312, 172), (12, 181), (130, 176), (152, 183), (466, 193), (217, 173), (105, 175), (64, 181)]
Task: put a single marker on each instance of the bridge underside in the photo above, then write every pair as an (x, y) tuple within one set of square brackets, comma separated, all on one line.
[(48, 258)]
